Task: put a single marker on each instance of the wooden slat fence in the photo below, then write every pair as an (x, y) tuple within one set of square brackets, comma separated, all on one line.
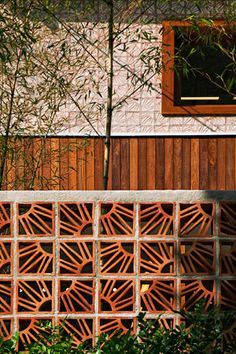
[(137, 163)]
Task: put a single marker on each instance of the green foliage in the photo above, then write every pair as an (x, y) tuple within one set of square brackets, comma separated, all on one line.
[(9, 346), (200, 332), (205, 51), (53, 339)]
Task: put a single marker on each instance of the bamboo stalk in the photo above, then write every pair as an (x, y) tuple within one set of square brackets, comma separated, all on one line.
[(109, 95)]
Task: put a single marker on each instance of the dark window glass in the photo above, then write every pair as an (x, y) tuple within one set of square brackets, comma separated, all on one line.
[(205, 66)]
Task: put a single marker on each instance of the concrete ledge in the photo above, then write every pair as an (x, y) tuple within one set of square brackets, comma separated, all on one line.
[(139, 196)]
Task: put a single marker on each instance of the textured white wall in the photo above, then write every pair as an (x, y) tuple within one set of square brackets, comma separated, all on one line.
[(141, 114)]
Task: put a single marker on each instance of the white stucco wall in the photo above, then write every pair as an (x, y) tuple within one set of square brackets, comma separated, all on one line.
[(87, 69), (141, 114)]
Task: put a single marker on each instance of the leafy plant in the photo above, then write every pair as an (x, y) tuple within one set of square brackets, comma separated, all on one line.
[(200, 332), (9, 346)]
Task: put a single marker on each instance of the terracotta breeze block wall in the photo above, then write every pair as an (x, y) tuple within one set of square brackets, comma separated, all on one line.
[(101, 258)]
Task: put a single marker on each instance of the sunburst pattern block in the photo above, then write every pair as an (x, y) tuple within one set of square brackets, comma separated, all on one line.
[(93, 265), (5, 219), (196, 219), (35, 296), (197, 257), (76, 219), (6, 300), (158, 295), (117, 325), (35, 257), (32, 330), (36, 219), (156, 219), (76, 258), (81, 329), (116, 296), (227, 225), (193, 291), (157, 257), (117, 219), (116, 257), (76, 296), (6, 258)]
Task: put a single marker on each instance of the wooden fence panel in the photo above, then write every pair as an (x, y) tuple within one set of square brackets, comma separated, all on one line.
[(142, 163), (178, 162), (160, 164), (136, 163), (133, 168)]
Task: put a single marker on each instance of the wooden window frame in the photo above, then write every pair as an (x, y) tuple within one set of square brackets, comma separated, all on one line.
[(168, 107)]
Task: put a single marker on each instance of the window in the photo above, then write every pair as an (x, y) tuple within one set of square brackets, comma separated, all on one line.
[(199, 68)]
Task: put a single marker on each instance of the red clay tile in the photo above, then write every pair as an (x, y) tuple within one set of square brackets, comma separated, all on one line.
[(81, 329), (197, 219), (35, 296), (76, 219), (116, 295), (36, 219), (157, 257), (76, 258), (194, 290), (35, 257), (6, 253), (5, 219), (6, 296), (156, 219), (116, 219), (116, 257), (76, 296), (197, 257), (157, 296)]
